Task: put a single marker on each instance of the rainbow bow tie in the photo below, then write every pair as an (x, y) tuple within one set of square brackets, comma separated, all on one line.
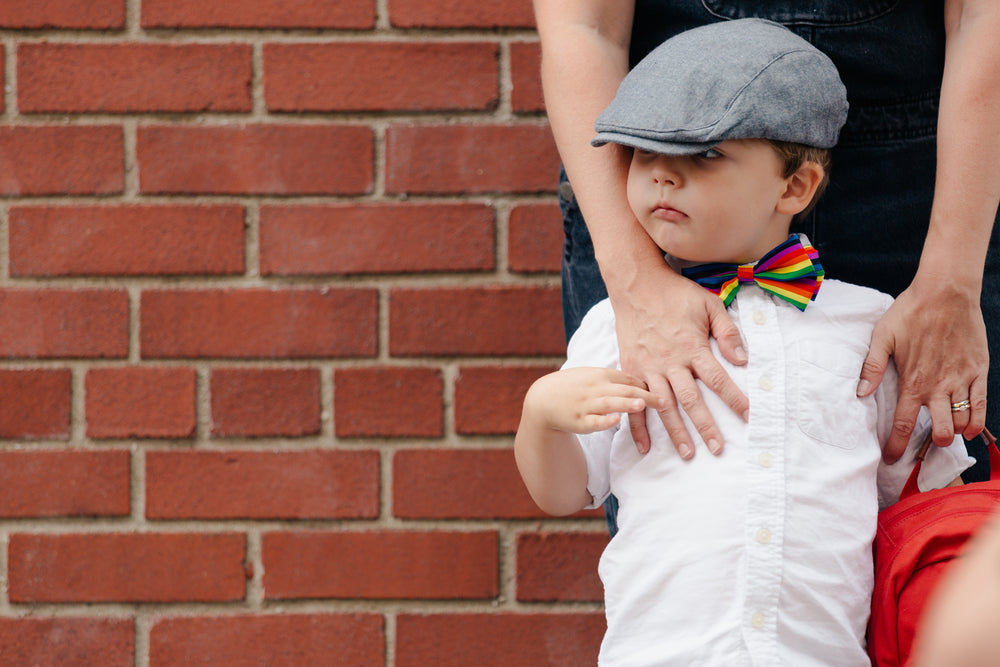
[(791, 271)]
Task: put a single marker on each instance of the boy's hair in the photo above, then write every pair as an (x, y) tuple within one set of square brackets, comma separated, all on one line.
[(794, 156)]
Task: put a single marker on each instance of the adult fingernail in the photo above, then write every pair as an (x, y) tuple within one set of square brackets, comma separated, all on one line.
[(714, 446), (864, 387), (685, 450), (740, 353)]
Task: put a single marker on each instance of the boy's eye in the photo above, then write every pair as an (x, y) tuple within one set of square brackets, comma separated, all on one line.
[(709, 154)]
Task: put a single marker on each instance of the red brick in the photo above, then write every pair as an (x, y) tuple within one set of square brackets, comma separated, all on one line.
[(256, 159), (476, 321), (126, 240), (64, 483), (121, 78), (35, 404), (61, 159), (461, 14), (126, 567), (63, 323), (265, 401), (268, 639), (388, 402), (463, 159), (560, 567), (262, 485), (535, 238), (259, 323), (380, 565), (359, 14), (73, 14), (412, 76), (109, 642), (376, 238), (499, 640), (3, 69), (459, 484), (140, 402), (488, 399), (525, 73)]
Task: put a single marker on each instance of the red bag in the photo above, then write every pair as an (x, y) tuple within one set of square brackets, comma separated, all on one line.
[(915, 542)]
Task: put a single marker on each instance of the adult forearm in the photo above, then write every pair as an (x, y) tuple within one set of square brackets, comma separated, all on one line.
[(967, 187), (584, 58)]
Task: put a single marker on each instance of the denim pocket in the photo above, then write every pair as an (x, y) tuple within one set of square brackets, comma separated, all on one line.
[(803, 12)]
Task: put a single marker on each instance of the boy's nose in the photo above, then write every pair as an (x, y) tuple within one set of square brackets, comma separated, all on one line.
[(664, 173)]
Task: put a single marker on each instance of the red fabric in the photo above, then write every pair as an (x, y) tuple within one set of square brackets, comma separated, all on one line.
[(917, 539)]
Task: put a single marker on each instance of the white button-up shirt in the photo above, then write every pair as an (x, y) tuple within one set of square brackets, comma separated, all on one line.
[(761, 555)]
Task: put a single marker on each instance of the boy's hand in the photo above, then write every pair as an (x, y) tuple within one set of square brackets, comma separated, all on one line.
[(587, 400)]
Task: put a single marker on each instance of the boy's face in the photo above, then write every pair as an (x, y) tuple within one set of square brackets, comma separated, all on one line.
[(716, 206)]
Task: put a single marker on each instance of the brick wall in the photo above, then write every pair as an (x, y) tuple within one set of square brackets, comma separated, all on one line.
[(274, 277)]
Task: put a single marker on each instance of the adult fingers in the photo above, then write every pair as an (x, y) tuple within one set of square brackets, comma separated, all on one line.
[(977, 408), (690, 399), (942, 419), (903, 422), (873, 369), (669, 414), (718, 380), (726, 335)]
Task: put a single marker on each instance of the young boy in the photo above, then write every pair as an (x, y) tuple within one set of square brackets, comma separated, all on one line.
[(762, 554)]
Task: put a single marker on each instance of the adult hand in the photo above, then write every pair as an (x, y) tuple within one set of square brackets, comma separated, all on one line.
[(664, 341), (935, 333)]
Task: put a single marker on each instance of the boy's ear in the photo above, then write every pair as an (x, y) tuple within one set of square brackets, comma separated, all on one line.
[(800, 188)]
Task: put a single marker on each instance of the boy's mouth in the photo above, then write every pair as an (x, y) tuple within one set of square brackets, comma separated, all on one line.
[(664, 211)]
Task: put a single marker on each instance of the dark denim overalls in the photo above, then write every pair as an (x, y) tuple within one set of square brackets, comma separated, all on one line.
[(870, 225)]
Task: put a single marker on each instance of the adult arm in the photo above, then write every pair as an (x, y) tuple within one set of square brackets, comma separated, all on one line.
[(935, 329), (663, 320), (959, 627)]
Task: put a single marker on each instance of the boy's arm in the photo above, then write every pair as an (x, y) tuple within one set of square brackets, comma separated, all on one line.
[(556, 408)]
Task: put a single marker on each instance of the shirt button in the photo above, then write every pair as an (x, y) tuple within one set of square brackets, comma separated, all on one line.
[(765, 460), (759, 317), (764, 536), (766, 383), (758, 620)]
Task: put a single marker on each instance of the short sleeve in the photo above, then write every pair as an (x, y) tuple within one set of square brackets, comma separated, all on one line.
[(595, 344)]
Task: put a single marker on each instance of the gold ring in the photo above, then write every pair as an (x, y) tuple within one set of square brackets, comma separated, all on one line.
[(961, 406)]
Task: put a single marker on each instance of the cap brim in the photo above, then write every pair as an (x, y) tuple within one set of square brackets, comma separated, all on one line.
[(652, 145)]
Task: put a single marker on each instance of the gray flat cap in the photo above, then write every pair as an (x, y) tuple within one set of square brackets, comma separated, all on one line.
[(743, 79)]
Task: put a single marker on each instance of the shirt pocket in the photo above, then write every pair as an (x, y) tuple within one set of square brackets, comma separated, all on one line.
[(803, 12), (827, 408)]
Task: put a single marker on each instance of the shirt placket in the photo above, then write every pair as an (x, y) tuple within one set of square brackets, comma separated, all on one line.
[(765, 465)]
